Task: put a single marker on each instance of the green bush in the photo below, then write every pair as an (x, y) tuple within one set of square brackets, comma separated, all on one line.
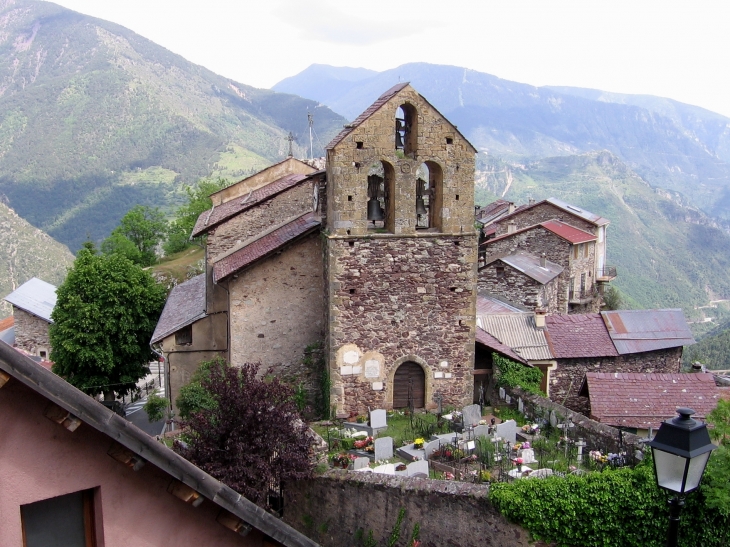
[(155, 407), (511, 374)]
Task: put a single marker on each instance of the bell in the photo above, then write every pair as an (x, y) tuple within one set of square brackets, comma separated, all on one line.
[(375, 211), (398, 140), (420, 207)]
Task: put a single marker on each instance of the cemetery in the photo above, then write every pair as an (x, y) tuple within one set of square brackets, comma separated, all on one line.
[(513, 440)]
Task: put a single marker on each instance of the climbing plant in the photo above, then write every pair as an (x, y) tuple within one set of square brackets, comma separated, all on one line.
[(511, 374)]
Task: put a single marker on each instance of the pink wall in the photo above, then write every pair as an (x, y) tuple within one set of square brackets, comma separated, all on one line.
[(40, 459)]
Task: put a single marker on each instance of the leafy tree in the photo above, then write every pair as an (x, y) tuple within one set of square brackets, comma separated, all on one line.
[(720, 419), (198, 201), (252, 435), (612, 298), (139, 232), (511, 374), (193, 397), (105, 313), (156, 407)]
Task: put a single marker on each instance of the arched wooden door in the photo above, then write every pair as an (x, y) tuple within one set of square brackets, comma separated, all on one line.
[(409, 374)]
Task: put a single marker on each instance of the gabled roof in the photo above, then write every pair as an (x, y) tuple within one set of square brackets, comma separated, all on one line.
[(530, 266), (97, 416), (377, 105), (489, 303), (636, 331), (646, 400), (36, 297), (212, 217), (519, 332), (263, 245), (564, 206), (565, 231), (485, 339), (579, 335), (185, 305), (494, 210)]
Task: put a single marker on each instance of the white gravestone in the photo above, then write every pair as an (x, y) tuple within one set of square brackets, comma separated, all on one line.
[(507, 430), (528, 455), (520, 405), (378, 419), (383, 448), (507, 399), (428, 448), (420, 466), (481, 431), (501, 393), (553, 418), (471, 415), (360, 463)]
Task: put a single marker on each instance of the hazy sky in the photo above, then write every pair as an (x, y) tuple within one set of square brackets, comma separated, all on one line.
[(673, 49)]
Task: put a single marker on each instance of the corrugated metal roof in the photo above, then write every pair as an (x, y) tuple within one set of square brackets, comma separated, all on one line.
[(184, 306), (530, 265), (577, 211), (518, 331), (568, 232), (488, 303), (484, 338), (636, 331), (646, 400), (35, 296)]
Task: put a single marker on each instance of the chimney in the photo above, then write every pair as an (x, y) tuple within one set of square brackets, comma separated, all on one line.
[(511, 208), (511, 227), (698, 367), (543, 261), (531, 201), (540, 314)]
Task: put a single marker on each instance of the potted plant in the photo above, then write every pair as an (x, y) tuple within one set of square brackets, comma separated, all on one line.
[(418, 443)]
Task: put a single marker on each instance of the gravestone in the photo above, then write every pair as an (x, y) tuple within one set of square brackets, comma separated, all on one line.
[(386, 469), (541, 473), (471, 415), (429, 447), (481, 431), (553, 419), (501, 393), (528, 455), (378, 419), (520, 405), (360, 463), (508, 431), (383, 448), (420, 467), (508, 399)]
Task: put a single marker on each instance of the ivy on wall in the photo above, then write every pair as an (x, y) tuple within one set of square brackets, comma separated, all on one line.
[(511, 374)]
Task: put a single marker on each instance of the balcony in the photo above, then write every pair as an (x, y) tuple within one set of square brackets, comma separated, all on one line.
[(582, 296), (606, 274)]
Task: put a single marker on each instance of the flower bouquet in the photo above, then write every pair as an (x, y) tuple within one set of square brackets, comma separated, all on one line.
[(418, 443), (364, 443)]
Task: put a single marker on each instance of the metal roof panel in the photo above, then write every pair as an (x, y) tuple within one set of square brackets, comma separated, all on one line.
[(35, 296), (519, 332), (636, 331)]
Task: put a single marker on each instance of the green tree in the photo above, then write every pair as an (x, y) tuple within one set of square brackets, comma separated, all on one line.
[(156, 407), (198, 201), (612, 298), (105, 313), (139, 232)]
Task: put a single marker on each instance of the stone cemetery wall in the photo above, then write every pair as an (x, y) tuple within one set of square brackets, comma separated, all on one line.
[(330, 509), (595, 433)]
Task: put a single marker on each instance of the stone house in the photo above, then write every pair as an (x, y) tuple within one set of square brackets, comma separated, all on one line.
[(33, 303), (75, 471), (374, 257), (567, 247)]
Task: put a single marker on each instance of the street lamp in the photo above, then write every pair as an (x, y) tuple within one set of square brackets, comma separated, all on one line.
[(680, 449)]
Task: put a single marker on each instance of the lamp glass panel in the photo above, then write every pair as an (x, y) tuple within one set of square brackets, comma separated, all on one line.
[(696, 468), (669, 470)]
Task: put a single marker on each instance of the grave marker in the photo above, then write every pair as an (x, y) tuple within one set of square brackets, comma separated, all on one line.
[(378, 419), (383, 448), (507, 430), (360, 463), (501, 393), (481, 431), (420, 467), (471, 415), (528, 455), (520, 405), (429, 447)]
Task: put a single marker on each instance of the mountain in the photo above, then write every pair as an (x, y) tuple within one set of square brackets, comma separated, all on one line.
[(27, 252), (669, 144), (713, 350), (667, 253), (95, 119)]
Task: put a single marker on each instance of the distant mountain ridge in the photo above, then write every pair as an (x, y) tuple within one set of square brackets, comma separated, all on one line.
[(670, 144), (94, 119)]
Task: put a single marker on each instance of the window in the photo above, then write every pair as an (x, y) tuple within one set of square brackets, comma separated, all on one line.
[(406, 129), (381, 177), (499, 271), (576, 250), (184, 336), (64, 521), (43, 354), (429, 196), (586, 249)]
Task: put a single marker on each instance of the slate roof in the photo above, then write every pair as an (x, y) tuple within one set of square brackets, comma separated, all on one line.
[(94, 414), (263, 245), (530, 266), (565, 206), (636, 331), (185, 305), (565, 231), (517, 331), (484, 338), (487, 303), (212, 217), (494, 210), (579, 335), (646, 400), (35, 296)]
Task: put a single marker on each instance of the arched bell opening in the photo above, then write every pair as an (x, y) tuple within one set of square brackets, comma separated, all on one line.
[(406, 129), (429, 196), (381, 176)]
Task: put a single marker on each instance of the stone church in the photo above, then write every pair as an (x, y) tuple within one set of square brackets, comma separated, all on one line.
[(373, 259)]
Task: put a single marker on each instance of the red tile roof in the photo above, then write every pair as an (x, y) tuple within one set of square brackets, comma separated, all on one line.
[(646, 400), (216, 215), (568, 232), (579, 335), (486, 339), (6, 323), (264, 245)]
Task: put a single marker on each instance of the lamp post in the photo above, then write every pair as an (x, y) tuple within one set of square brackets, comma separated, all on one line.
[(680, 449)]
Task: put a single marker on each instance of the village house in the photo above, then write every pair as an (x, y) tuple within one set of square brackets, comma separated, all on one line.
[(74, 469), (33, 303)]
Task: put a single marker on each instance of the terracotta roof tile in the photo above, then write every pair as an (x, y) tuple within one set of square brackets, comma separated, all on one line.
[(6, 323), (646, 400), (212, 217), (264, 245), (579, 335), (560, 229)]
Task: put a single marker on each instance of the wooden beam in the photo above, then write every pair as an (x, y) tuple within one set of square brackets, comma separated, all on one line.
[(232, 522), (4, 378), (184, 492), (62, 416), (125, 456)]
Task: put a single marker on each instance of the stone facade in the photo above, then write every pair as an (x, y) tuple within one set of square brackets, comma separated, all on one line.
[(254, 221), (31, 333), (519, 288), (396, 292), (567, 378), (277, 310), (543, 212)]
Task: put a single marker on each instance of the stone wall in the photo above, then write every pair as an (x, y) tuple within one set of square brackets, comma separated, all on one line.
[(585, 263), (396, 299), (252, 222), (597, 435), (567, 378), (542, 213), (519, 288), (31, 332), (277, 310), (331, 509)]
